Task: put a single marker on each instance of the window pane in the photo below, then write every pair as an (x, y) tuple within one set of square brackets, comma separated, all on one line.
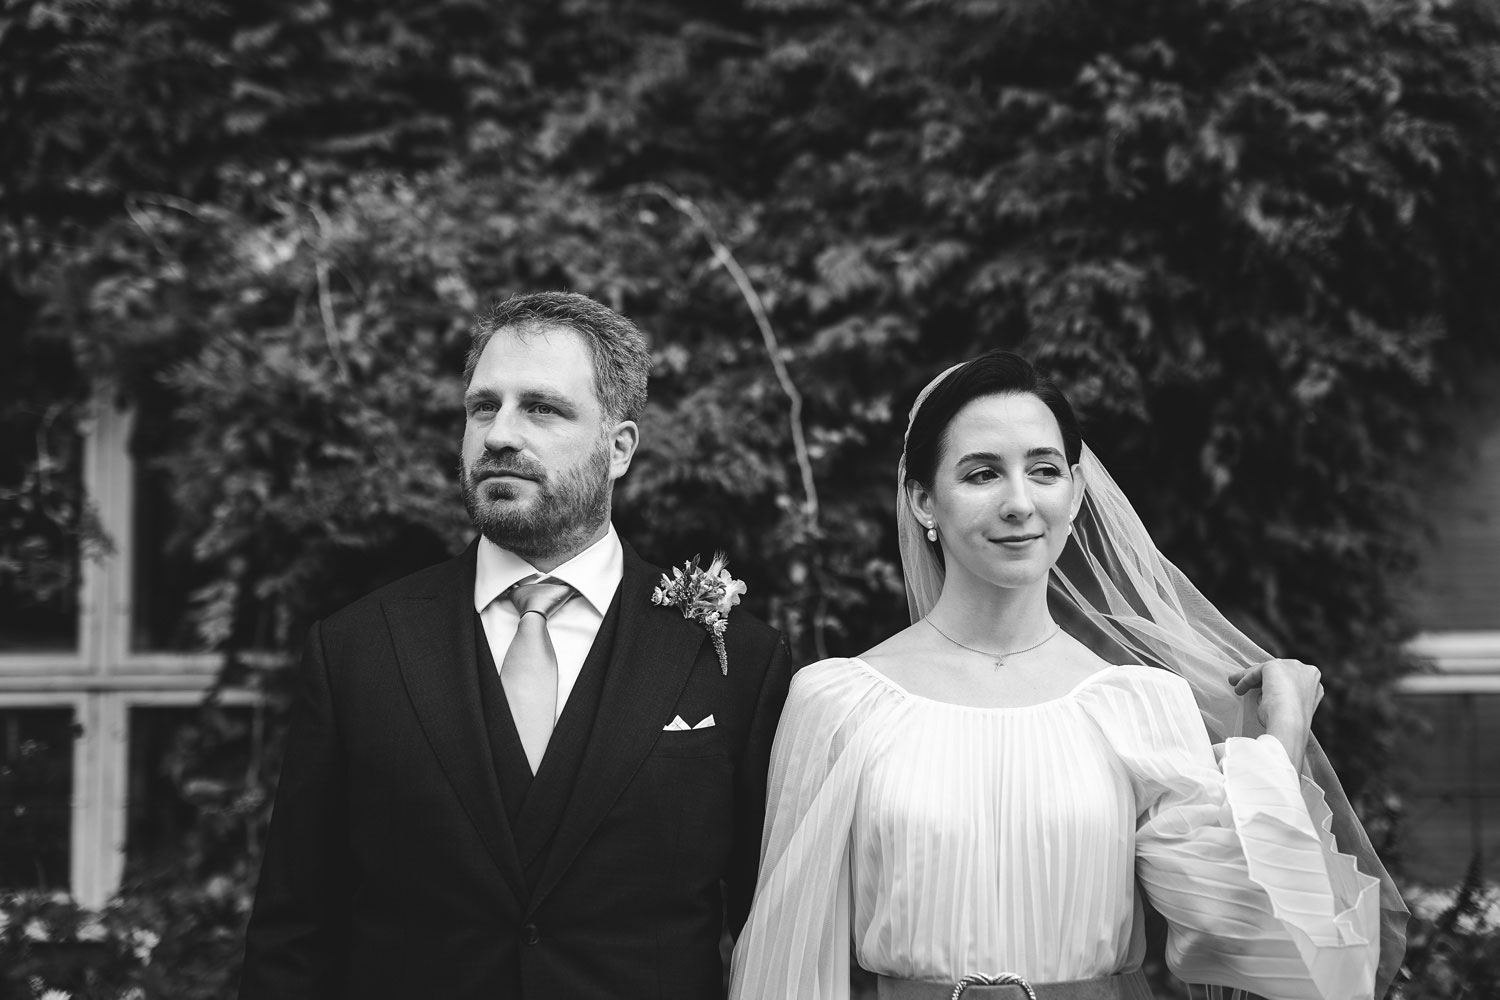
[(1458, 581), (1452, 785), (165, 574), (188, 769), (36, 793), (41, 521)]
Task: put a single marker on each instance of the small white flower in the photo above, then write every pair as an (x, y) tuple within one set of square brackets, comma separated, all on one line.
[(142, 943), (34, 930), (733, 590), (56, 995), (703, 596), (92, 929)]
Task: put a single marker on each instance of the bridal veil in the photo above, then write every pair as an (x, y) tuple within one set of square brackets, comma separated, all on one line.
[(1116, 592)]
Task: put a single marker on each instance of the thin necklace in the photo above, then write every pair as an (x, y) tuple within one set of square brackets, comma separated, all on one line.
[(999, 658)]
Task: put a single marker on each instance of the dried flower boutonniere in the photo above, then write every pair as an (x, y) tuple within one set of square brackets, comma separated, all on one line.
[(705, 596)]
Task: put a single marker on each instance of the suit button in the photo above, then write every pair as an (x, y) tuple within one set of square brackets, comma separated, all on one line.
[(530, 934)]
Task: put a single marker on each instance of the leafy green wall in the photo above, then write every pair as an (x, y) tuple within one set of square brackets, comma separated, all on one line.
[(1254, 239)]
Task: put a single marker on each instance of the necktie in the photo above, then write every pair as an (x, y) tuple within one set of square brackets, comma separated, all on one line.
[(529, 671)]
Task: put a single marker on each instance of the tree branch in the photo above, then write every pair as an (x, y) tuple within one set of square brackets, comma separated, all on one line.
[(725, 258), (325, 294)]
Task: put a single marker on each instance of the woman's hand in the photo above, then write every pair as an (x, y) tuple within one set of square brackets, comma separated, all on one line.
[(1290, 691)]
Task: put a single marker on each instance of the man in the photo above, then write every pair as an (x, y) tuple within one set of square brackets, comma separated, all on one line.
[(512, 774)]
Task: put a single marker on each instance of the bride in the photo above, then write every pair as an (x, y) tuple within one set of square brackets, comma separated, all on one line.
[(973, 806)]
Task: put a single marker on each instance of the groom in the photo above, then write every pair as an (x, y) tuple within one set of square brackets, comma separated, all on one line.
[(512, 775)]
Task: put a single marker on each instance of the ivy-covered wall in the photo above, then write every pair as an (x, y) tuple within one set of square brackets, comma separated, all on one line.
[(1255, 239)]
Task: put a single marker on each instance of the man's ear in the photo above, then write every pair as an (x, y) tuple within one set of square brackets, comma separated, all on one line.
[(624, 437)]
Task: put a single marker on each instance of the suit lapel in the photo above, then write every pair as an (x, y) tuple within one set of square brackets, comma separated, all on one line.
[(434, 640), (653, 655)]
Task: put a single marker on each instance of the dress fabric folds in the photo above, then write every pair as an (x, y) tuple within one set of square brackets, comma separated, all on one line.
[(938, 840)]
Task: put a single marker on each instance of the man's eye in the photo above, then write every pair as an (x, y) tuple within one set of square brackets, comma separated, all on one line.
[(485, 407), (543, 408)]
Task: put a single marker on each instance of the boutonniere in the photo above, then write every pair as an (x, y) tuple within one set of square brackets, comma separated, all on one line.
[(703, 595)]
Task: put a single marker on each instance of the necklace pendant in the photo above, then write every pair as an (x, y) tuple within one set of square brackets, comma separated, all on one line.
[(999, 658)]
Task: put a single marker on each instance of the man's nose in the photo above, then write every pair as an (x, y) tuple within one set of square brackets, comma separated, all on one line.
[(504, 431)]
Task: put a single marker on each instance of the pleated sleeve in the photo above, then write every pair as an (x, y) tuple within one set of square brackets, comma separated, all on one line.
[(1234, 848), (796, 942)]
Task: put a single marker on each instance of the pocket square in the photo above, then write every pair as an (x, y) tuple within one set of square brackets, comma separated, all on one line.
[(678, 724)]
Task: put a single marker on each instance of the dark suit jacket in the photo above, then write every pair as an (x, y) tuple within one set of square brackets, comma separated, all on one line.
[(392, 870)]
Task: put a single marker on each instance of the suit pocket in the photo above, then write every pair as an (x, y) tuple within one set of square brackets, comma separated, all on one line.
[(690, 743), (690, 778)]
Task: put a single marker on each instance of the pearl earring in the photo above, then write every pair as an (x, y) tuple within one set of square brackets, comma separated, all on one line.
[(931, 533)]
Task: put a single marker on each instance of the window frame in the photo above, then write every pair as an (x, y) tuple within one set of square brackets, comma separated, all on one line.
[(103, 678), (1463, 663)]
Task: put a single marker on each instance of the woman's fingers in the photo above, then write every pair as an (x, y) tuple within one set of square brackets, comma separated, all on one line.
[(1247, 680), (1291, 687), (1294, 672)]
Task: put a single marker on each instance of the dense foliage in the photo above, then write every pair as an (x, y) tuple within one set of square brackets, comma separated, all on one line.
[(1252, 238), (180, 941), (183, 942)]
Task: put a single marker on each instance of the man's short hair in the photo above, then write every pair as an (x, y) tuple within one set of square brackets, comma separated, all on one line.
[(621, 360)]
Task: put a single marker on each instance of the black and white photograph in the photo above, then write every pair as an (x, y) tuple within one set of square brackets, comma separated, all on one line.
[(750, 500)]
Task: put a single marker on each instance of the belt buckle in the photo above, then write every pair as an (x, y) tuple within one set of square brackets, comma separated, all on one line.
[(1003, 979)]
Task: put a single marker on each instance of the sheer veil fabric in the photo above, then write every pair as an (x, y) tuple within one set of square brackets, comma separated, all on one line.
[(1115, 592)]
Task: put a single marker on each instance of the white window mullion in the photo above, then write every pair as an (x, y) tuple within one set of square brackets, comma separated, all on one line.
[(114, 786), (114, 493), (98, 480), (101, 765), (88, 748)]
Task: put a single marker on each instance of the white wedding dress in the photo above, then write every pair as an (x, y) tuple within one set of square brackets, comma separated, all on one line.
[(937, 840)]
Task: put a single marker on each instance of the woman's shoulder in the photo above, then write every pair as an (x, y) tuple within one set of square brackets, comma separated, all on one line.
[(820, 673), (1148, 682), (836, 680), (1133, 702), (1146, 686), (889, 662), (834, 698)]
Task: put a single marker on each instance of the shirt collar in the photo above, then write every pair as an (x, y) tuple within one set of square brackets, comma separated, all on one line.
[(595, 572)]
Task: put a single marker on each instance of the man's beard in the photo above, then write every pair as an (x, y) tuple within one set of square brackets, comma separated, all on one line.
[(566, 510)]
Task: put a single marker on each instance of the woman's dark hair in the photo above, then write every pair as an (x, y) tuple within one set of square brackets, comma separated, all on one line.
[(993, 373)]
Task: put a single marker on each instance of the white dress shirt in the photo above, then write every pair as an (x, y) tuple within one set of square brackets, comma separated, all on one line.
[(595, 573)]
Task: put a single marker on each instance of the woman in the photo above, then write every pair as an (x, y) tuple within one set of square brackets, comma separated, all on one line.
[(980, 795)]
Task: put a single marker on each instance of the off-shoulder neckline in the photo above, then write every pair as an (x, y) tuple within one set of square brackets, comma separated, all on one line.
[(1067, 696)]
